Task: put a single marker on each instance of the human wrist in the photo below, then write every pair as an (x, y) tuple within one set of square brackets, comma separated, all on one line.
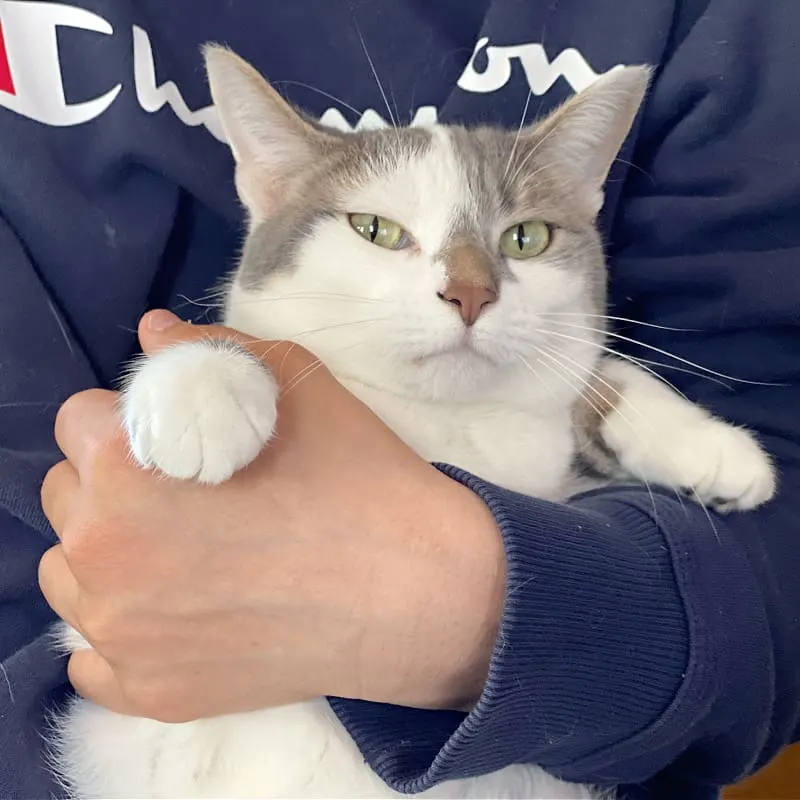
[(461, 611)]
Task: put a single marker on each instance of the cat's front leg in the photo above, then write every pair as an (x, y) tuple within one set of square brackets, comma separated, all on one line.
[(658, 436), (199, 410)]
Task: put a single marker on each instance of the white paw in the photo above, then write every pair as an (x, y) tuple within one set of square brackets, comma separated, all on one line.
[(199, 410), (662, 438), (720, 465)]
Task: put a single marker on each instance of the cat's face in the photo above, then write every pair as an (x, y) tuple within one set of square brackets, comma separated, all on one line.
[(431, 261)]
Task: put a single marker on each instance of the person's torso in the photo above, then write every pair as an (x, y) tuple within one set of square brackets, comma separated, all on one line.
[(115, 175)]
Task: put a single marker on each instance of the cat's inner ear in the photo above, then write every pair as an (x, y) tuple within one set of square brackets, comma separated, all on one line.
[(270, 141), (581, 139)]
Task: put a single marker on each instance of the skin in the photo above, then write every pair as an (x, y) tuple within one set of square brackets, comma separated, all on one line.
[(338, 563)]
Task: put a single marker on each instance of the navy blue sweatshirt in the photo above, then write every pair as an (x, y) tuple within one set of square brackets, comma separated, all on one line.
[(639, 649)]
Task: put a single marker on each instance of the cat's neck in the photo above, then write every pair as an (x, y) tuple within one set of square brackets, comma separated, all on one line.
[(498, 439)]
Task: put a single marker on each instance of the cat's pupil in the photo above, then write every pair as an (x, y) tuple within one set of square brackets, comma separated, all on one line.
[(373, 229), (521, 238)]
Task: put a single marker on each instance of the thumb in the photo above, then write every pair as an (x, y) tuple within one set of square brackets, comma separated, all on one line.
[(161, 328)]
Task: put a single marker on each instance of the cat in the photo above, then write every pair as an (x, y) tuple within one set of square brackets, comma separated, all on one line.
[(432, 270)]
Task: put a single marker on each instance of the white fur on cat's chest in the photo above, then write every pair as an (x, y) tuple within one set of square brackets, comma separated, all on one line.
[(501, 444)]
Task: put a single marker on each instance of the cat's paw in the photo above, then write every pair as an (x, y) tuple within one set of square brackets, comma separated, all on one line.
[(722, 466), (200, 410), (662, 438)]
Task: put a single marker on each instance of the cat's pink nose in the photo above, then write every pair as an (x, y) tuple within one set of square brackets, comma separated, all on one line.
[(470, 300)]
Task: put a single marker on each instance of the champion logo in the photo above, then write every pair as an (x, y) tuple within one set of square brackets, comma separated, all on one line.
[(31, 83), (540, 72), (30, 62), (6, 81)]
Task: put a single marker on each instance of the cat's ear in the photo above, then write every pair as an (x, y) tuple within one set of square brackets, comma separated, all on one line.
[(270, 141), (585, 134)]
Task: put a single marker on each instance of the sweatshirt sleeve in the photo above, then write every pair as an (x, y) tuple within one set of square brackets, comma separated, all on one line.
[(639, 644), (634, 638)]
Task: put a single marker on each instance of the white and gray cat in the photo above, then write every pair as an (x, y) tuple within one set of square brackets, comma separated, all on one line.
[(454, 280)]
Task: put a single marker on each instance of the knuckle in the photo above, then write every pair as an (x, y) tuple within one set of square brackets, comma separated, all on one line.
[(103, 452), (51, 484), (101, 629), (53, 474), (86, 545), (98, 441), (74, 407)]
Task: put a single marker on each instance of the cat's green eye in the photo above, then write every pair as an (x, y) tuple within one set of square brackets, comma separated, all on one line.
[(379, 230), (526, 239)]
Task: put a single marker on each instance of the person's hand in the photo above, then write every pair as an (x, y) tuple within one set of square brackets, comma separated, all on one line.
[(338, 563)]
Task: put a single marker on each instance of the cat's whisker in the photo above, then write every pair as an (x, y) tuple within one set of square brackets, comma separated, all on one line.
[(624, 356), (676, 368), (337, 325), (311, 296), (536, 375), (212, 293), (559, 362), (197, 304), (553, 130), (581, 381), (394, 102), (519, 133), (304, 373), (591, 372), (377, 79), (320, 92), (290, 339), (665, 353), (638, 169), (534, 173), (547, 314), (289, 349)]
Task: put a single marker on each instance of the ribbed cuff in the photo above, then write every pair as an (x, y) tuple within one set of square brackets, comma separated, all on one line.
[(592, 648)]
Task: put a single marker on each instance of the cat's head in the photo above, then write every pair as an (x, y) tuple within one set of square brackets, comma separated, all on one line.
[(436, 261)]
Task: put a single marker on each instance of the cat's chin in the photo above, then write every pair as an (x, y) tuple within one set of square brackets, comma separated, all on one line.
[(457, 374), (461, 353)]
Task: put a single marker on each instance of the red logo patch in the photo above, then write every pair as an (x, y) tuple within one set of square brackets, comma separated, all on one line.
[(6, 80)]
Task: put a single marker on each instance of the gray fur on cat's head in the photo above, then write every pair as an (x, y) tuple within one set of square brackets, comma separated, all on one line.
[(444, 311)]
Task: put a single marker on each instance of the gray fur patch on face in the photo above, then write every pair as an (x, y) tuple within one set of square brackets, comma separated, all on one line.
[(507, 177), (344, 161), (271, 247)]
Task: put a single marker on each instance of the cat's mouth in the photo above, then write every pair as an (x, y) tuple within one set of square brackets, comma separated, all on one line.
[(465, 346)]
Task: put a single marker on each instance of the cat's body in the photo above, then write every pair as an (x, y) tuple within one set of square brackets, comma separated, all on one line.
[(475, 354)]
